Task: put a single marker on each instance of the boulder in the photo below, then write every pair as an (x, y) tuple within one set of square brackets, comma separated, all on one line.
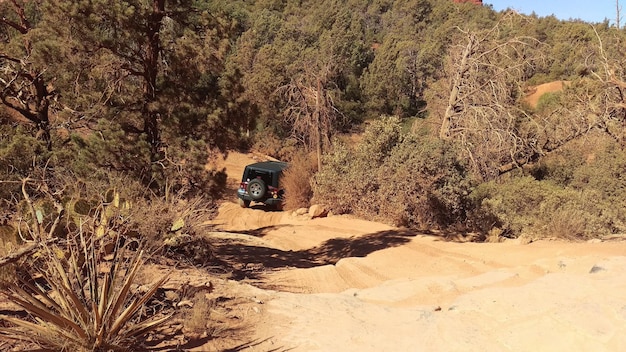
[(302, 211), (317, 211)]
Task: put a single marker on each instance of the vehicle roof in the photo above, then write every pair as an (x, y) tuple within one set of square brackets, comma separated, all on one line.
[(269, 165)]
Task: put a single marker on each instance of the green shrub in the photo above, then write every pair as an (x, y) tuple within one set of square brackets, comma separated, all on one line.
[(422, 184), (523, 205), (596, 150), (333, 185), (605, 171), (393, 177), (348, 174), (593, 168), (124, 207), (21, 155), (550, 100), (77, 307), (180, 170), (8, 244), (269, 143)]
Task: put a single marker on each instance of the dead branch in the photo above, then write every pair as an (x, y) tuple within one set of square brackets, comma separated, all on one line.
[(25, 251), (33, 212)]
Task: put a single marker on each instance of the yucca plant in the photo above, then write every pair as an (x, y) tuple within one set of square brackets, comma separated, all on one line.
[(74, 306)]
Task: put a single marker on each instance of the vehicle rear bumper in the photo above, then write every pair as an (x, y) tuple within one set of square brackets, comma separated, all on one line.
[(242, 194)]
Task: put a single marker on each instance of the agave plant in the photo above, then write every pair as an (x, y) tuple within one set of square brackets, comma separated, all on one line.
[(73, 306)]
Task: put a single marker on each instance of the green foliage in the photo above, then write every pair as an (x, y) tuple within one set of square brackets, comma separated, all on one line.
[(395, 178), (525, 206), (549, 101), (23, 57), (395, 80), (128, 91), (594, 173), (151, 85), (347, 172), (333, 184), (20, 151), (21, 155), (87, 185), (182, 170), (560, 166), (271, 144), (110, 148), (323, 40), (423, 184), (379, 140), (604, 170)]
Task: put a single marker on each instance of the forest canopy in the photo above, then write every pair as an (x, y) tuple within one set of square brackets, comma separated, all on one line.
[(147, 92)]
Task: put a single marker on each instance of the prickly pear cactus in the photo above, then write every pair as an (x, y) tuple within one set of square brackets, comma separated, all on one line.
[(114, 208)]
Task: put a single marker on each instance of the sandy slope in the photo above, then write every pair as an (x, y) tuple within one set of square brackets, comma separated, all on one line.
[(343, 284), (420, 293)]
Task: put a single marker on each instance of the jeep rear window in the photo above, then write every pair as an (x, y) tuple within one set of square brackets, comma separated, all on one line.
[(252, 174)]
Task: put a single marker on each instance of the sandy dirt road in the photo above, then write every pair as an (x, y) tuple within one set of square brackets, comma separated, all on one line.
[(344, 284)]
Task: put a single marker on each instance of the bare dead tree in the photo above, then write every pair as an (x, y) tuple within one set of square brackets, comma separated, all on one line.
[(484, 114), (310, 108), (609, 101), (618, 11), (482, 111)]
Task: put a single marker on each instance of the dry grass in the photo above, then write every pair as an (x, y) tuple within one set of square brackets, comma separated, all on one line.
[(198, 322), (567, 224), (494, 235), (154, 218), (297, 181)]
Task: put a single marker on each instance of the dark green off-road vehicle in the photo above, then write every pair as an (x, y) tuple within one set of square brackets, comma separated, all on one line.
[(261, 183)]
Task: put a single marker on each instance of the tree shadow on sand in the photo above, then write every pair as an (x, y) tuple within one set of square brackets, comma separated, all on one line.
[(259, 232), (247, 261)]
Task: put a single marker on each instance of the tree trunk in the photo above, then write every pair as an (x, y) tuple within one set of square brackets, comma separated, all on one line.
[(319, 125), (618, 14), (453, 99), (151, 70), (43, 111)]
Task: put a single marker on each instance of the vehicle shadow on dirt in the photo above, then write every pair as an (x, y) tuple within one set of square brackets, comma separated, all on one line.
[(248, 261)]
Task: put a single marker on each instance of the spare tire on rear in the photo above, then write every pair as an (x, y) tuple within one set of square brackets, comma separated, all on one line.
[(256, 189)]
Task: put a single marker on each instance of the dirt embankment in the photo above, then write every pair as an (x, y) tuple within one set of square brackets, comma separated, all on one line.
[(344, 284), (536, 92)]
